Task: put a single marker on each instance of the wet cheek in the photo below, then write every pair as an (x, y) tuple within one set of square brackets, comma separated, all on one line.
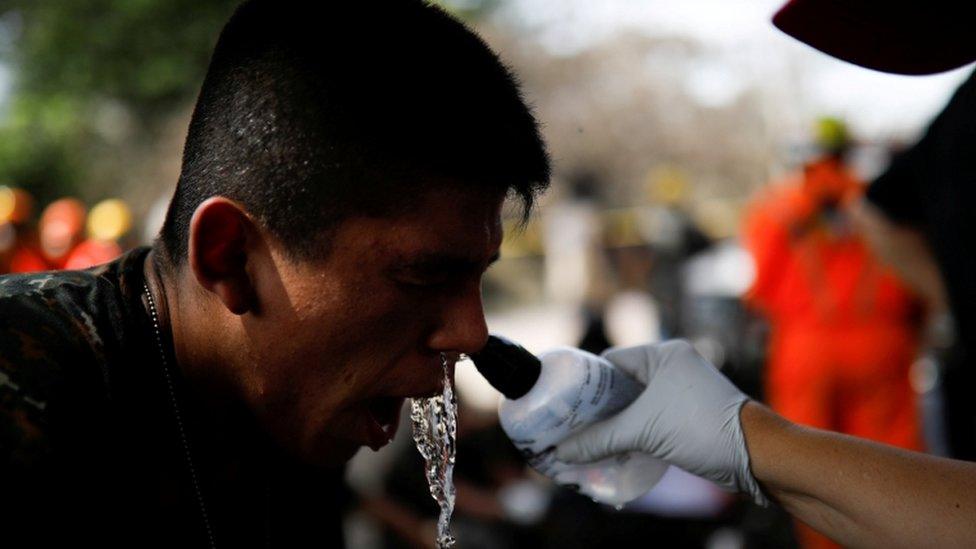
[(367, 340), (395, 315)]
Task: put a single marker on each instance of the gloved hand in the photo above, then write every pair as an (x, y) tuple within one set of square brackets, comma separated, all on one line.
[(688, 416)]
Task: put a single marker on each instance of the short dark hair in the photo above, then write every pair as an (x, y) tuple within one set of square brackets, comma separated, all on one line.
[(313, 111)]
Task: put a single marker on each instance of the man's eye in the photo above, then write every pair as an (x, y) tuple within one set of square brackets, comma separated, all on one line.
[(423, 281), (419, 283)]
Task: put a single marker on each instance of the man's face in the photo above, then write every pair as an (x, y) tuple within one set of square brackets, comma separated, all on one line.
[(340, 342)]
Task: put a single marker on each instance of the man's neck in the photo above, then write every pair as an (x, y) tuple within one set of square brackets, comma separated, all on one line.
[(204, 362)]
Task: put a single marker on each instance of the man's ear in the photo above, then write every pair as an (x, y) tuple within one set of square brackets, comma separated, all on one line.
[(221, 237)]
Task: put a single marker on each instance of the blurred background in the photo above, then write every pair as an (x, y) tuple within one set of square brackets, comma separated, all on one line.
[(688, 137)]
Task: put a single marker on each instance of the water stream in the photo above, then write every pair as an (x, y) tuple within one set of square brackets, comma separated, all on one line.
[(435, 432)]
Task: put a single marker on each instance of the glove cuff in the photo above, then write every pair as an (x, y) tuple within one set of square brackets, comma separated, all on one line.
[(744, 479)]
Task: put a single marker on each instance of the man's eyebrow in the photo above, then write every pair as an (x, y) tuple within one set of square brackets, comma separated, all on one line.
[(445, 262)]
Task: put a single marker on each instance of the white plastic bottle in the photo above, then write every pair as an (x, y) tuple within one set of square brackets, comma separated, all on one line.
[(550, 397)]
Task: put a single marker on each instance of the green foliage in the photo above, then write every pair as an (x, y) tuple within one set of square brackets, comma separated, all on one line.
[(41, 138), (69, 59)]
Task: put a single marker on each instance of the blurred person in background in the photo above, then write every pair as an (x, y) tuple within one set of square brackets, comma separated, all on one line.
[(60, 229), (575, 269), (673, 237), (338, 203), (857, 492), (59, 242), (16, 207), (843, 328), (19, 251)]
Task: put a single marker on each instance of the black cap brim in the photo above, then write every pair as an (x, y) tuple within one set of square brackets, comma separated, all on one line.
[(911, 38)]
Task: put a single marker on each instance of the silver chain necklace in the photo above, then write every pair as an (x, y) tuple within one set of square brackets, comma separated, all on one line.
[(178, 416)]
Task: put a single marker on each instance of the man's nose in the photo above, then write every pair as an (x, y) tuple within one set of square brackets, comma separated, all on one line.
[(462, 328)]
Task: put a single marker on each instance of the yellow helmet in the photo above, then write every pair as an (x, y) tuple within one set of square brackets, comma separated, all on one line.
[(667, 185), (830, 134), (16, 205), (109, 220)]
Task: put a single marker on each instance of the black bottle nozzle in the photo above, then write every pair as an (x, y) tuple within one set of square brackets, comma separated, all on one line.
[(507, 366)]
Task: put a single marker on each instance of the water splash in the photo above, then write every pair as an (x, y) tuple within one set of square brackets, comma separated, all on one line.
[(435, 433)]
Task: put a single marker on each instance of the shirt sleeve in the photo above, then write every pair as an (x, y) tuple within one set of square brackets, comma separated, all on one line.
[(27, 460), (30, 374), (41, 423), (936, 164)]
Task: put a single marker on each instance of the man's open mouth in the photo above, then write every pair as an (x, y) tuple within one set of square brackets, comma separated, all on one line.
[(384, 413)]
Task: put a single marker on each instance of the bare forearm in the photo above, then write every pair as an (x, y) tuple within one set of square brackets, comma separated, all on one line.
[(904, 249), (858, 492)]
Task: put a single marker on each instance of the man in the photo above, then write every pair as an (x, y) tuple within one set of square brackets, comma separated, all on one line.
[(856, 492), (844, 329), (338, 203)]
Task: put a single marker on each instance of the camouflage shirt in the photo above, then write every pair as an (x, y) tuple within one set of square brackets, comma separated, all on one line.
[(89, 447)]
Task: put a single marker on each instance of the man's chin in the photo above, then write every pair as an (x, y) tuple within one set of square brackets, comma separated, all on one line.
[(341, 453), (371, 423), (332, 452)]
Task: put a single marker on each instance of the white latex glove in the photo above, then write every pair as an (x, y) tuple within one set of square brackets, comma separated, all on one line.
[(688, 416)]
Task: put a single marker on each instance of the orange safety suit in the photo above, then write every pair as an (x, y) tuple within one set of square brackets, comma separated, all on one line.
[(844, 329)]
